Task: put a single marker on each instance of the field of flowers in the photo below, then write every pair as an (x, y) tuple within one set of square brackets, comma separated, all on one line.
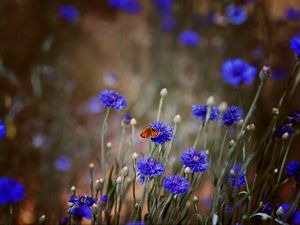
[(161, 112)]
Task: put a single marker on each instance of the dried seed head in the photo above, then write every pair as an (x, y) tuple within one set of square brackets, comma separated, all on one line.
[(135, 156), (163, 92), (177, 119), (223, 107), (210, 101), (124, 171), (187, 170), (195, 199), (133, 122)]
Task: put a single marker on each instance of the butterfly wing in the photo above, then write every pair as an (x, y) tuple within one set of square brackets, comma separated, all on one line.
[(146, 133), (154, 133)]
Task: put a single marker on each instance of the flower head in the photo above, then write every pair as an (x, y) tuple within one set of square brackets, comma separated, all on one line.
[(232, 115), (69, 13), (237, 72), (148, 168), (200, 111), (285, 128), (128, 6), (3, 129), (176, 184), (196, 161), (293, 169), (294, 118), (189, 38), (266, 208), (112, 99), (292, 13), (295, 44), (127, 118), (11, 191), (104, 198), (236, 15), (294, 215), (165, 132), (237, 177), (63, 163), (81, 206)]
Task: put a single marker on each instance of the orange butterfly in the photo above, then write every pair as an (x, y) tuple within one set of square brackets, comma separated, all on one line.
[(149, 132)]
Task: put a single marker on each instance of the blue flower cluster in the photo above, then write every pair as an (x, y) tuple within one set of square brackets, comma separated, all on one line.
[(176, 184), (189, 38), (237, 72), (196, 161), (128, 6), (165, 132), (292, 14), (11, 191), (232, 116), (200, 111), (293, 170), (295, 44), (236, 177), (112, 99), (69, 13), (236, 15), (2, 129), (148, 167), (81, 206)]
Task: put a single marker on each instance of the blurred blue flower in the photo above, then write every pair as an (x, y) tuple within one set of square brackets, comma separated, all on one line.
[(294, 118), (69, 13), (266, 208), (128, 6), (111, 79), (258, 53), (176, 184), (285, 128), (148, 168), (295, 44), (199, 111), (165, 132), (236, 15), (127, 118), (136, 223), (63, 220), (196, 161), (103, 198), (232, 115), (63, 163), (11, 191), (94, 106), (112, 99), (294, 215), (279, 74), (237, 72), (3, 129), (292, 13), (81, 206), (168, 23), (164, 6), (189, 38), (293, 169), (237, 177)]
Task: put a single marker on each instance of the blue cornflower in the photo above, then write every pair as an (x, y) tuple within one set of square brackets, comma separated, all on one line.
[(189, 38), (165, 132), (128, 6), (69, 13), (176, 184), (200, 111), (237, 177), (294, 118), (148, 167), (104, 198), (11, 191), (295, 44), (292, 13), (236, 15), (237, 72), (63, 163), (81, 206), (294, 217), (112, 99), (136, 223), (266, 208), (293, 169), (232, 115), (127, 118), (196, 161), (3, 129), (285, 128)]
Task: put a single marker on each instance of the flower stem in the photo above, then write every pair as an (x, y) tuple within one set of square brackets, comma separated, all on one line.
[(121, 143), (222, 146), (160, 107), (198, 135), (103, 132)]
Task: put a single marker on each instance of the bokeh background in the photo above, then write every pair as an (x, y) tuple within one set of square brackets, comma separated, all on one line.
[(56, 56)]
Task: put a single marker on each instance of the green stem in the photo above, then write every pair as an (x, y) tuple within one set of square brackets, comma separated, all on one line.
[(171, 143), (222, 146), (160, 107), (198, 135), (103, 132), (11, 210), (121, 142), (283, 162)]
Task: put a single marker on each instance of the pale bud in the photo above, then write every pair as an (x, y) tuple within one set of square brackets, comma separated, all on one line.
[(231, 172), (188, 204), (241, 121), (285, 136), (73, 189), (275, 111), (231, 142), (177, 119), (276, 171), (252, 127), (119, 180), (279, 211), (135, 156), (42, 219), (108, 145), (163, 92), (223, 107), (98, 185), (195, 199), (133, 122), (210, 101), (187, 170), (91, 165), (124, 171), (207, 152)]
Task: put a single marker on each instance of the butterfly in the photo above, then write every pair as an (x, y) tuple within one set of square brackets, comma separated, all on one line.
[(149, 132)]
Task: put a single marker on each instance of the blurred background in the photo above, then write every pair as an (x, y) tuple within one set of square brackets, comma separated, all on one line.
[(56, 56)]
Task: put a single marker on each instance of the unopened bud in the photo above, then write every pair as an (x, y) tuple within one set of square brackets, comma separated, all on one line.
[(265, 72), (223, 107), (276, 171), (98, 185), (163, 92), (210, 101), (275, 111), (135, 156), (187, 170), (94, 209), (252, 127), (231, 142), (119, 180), (207, 152), (177, 119), (133, 122), (285, 136), (195, 199), (279, 211), (91, 165), (108, 145), (42, 219), (240, 123), (231, 172), (124, 171), (73, 189)]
